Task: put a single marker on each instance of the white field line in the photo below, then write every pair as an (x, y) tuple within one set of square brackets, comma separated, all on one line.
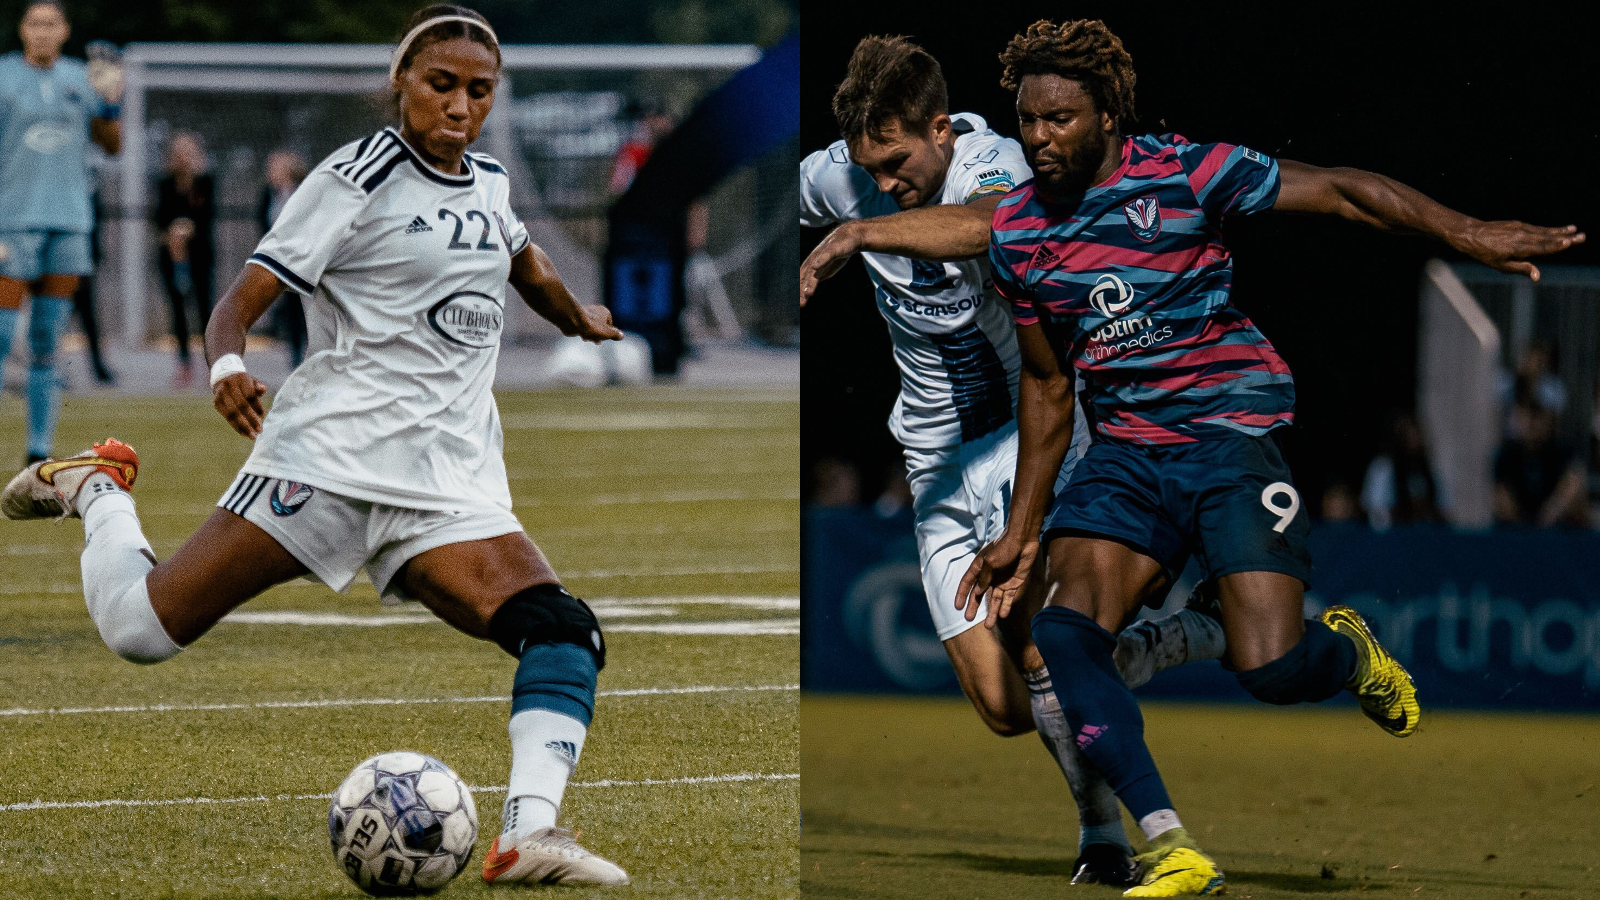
[(607, 609), (742, 629), (379, 701), (714, 468), (167, 548), (732, 627), (476, 789), (707, 496), (760, 569), (642, 421)]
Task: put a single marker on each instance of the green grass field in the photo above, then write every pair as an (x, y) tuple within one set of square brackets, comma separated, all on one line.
[(914, 798), (674, 510)]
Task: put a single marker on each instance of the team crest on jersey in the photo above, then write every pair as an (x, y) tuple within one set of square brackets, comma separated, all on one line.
[(1144, 217), (288, 496)]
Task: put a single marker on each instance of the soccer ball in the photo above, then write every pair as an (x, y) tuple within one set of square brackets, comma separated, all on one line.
[(402, 823)]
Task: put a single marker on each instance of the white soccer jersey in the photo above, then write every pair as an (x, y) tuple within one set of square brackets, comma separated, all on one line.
[(405, 272), (953, 336)]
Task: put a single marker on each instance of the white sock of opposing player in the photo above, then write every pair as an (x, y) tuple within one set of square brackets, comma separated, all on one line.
[(1099, 812), (545, 747), (1149, 646), (115, 560)]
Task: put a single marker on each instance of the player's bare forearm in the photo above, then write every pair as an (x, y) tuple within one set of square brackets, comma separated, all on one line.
[(245, 301), (941, 233), (1001, 569), (237, 397), (1383, 203), (1044, 433), (537, 282), (108, 134)]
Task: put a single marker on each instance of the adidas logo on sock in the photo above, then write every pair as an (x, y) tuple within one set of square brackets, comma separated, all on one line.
[(567, 750), (417, 225)]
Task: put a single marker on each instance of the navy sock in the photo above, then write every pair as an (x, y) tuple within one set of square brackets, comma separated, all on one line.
[(1099, 707), (557, 677), (1316, 668)]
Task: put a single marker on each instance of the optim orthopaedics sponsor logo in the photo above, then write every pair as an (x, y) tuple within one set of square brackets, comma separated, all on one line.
[(1111, 296), (1121, 335)]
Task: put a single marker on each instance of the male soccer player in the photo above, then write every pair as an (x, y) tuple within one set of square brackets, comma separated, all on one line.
[(49, 110), (1116, 269), (955, 416)]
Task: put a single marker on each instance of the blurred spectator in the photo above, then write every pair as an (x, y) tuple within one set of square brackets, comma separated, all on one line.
[(1539, 480), (285, 170), (1339, 504), (186, 213), (84, 300), (835, 482), (1399, 487), (896, 494), (650, 125), (1534, 382)]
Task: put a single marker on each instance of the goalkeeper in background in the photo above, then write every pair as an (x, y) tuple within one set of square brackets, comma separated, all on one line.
[(50, 107)]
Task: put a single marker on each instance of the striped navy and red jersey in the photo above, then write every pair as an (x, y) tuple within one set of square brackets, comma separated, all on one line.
[(1131, 287)]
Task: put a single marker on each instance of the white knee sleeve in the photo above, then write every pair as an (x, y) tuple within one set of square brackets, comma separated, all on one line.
[(116, 559)]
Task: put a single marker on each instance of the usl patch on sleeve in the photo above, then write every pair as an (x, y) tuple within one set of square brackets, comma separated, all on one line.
[(994, 181)]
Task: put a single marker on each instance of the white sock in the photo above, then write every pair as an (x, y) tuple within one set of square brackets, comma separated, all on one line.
[(1099, 813), (1158, 823), (115, 560), (545, 747), (1151, 645)]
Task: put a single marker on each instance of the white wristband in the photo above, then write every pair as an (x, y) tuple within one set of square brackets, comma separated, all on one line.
[(228, 364)]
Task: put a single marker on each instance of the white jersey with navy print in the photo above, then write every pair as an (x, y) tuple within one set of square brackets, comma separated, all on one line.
[(953, 337), (404, 269)]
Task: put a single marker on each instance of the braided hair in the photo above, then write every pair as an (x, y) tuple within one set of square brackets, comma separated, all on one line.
[(1083, 50)]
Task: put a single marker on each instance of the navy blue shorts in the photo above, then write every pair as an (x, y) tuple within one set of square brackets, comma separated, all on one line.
[(1231, 502)]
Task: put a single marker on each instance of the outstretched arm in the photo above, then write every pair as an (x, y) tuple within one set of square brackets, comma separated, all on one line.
[(1384, 203), (238, 396), (1044, 433), (534, 276), (939, 233)]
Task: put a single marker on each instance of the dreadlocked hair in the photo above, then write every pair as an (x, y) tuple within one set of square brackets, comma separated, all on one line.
[(1083, 50), (889, 80)]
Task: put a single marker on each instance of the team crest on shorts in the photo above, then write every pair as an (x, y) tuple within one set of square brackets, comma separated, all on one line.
[(288, 496), (1144, 217)]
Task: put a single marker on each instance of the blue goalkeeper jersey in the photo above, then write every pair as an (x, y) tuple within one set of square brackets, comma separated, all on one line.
[(44, 145)]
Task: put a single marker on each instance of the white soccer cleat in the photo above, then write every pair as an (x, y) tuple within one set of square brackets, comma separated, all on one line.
[(49, 489), (548, 856)]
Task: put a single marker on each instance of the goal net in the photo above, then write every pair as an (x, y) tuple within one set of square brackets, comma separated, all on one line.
[(562, 115)]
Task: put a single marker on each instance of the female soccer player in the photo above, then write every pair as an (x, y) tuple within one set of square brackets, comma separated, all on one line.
[(48, 113), (382, 450)]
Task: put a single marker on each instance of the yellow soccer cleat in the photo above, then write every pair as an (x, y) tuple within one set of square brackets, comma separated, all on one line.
[(1183, 872), (1383, 686)]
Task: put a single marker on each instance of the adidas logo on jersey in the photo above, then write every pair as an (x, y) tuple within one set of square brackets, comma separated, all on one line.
[(1045, 257), (418, 225)]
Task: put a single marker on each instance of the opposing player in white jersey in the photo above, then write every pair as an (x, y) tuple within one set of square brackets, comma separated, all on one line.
[(383, 449), (903, 157)]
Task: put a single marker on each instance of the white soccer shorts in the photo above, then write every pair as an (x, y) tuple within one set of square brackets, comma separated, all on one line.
[(336, 536), (961, 497)]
